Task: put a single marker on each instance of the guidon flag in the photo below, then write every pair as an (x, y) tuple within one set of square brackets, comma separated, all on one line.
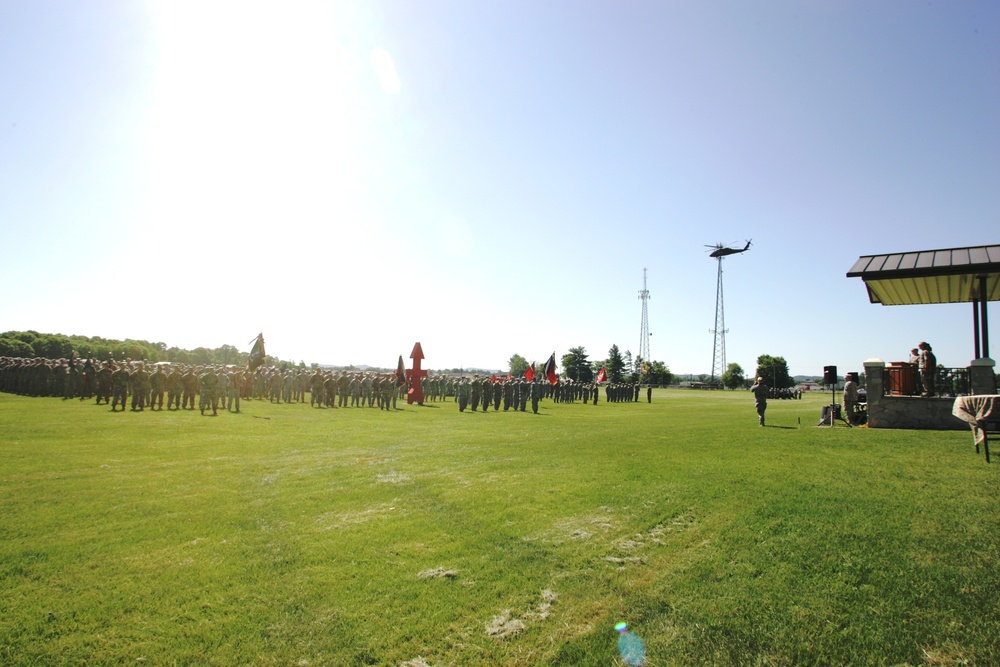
[(400, 373), (256, 359), (550, 369)]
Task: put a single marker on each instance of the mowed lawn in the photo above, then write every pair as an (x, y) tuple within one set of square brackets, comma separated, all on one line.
[(287, 535)]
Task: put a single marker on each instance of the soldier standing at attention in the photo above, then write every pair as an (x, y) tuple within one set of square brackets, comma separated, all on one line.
[(330, 389), (234, 390), (367, 391), (477, 391), (189, 381), (88, 379), (174, 389), (157, 384), (104, 384), (462, 391), (355, 388), (140, 388), (222, 386), (343, 382), (209, 382), (316, 389), (72, 379), (119, 387), (536, 394), (759, 390)]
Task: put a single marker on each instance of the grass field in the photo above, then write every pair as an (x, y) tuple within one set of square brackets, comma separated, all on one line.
[(295, 536)]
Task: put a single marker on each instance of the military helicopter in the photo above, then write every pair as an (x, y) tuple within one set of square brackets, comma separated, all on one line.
[(721, 250)]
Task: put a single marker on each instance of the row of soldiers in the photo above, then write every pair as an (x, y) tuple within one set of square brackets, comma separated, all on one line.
[(147, 385), (516, 392)]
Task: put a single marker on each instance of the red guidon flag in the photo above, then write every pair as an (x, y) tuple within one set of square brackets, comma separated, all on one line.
[(550, 369), (530, 373), (602, 376)]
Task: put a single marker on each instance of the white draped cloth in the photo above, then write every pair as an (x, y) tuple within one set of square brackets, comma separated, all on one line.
[(975, 410)]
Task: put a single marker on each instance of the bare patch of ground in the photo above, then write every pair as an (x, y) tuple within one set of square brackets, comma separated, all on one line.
[(503, 626), (438, 573)]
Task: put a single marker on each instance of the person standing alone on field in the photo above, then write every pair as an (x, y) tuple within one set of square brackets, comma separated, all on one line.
[(759, 390)]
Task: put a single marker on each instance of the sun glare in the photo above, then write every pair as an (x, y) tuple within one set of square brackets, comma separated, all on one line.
[(385, 70), (254, 117)]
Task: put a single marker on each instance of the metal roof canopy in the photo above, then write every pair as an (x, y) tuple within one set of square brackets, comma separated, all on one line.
[(951, 275)]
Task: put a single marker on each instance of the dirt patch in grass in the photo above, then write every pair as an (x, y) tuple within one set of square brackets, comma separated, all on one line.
[(438, 573), (503, 626)]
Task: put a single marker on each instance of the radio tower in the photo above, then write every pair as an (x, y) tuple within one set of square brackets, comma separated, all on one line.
[(644, 329), (719, 349)]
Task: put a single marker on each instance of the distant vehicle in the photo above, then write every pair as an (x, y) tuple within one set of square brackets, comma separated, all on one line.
[(722, 251)]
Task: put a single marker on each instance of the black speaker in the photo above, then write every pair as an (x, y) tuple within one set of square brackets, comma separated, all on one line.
[(829, 375)]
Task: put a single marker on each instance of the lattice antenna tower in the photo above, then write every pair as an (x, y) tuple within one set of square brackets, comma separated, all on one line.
[(644, 328), (720, 251), (720, 330)]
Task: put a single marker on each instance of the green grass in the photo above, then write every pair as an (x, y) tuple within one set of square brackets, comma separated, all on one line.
[(295, 536)]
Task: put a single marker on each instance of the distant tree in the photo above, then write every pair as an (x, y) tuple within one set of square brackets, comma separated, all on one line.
[(202, 356), (774, 370), (53, 346), (733, 377), (576, 366), (227, 354), (518, 365), (28, 337), (615, 364), (13, 347), (658, 374)]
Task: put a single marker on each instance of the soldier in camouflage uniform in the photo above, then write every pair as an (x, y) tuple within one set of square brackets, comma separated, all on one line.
[(462, 392), (139, 380), (88, 379), (477, 392), (367, 391), (354, 386), (536, 394), (222, 386), (234, 390), (316, 389), (119, 387), (208, 398), (157, 384), (104, 385), (190, 383), (72, 379), (175, 387)]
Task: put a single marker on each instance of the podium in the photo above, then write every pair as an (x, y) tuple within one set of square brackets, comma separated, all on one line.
[(902, 378)]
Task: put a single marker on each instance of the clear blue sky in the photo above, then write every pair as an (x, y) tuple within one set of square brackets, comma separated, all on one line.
[(492, 178)]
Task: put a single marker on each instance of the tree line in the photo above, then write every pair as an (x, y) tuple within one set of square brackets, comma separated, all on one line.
[(29, 344), (620, 367)]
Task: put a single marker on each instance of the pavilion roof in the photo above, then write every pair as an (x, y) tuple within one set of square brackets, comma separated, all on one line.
[(951, 275)]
